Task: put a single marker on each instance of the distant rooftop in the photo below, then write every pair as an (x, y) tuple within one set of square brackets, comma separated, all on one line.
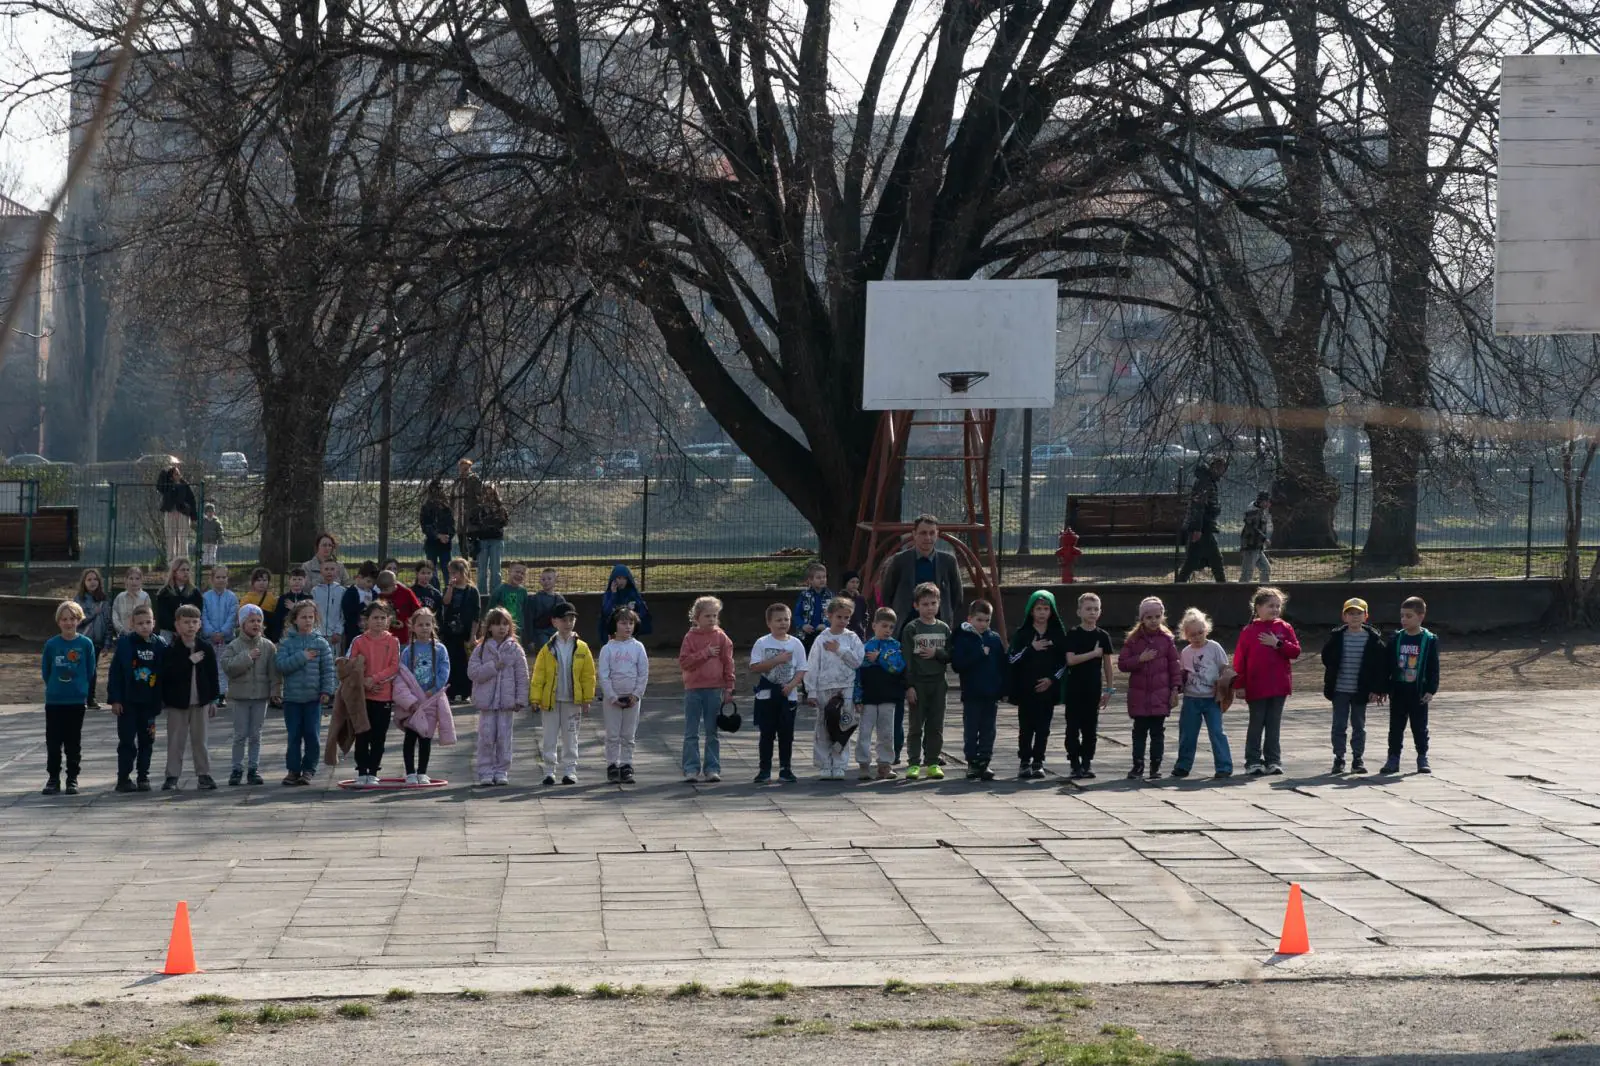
[(9, 208)]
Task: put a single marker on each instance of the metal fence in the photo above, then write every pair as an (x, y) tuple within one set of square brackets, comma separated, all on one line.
[(701, 531)]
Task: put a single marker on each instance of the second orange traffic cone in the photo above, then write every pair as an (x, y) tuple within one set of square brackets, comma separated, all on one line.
[(180, 948), (1294, 940)]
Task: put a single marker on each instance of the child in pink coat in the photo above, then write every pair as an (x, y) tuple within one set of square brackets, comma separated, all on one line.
[(1261, 665), (1155, 681)]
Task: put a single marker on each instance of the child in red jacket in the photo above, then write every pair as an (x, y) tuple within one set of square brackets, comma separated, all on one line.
[(1155, 678), (1261, 668)]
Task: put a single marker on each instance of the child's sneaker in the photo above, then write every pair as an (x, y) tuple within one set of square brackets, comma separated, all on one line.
[(143, 784), (1178, 771), (307, 778), (1155, 773), (933, 772), (485, 782), (236, 777), (1391, 767), (688, 779), (1255, 769), (1024, 771), (1088, 772), (1358, 767), (912, 772), (411, 779), (866, 773), (1136, 773), (72, 785), (1338, 765), (1222, 775), (613, 775), (125, 784), (972, 771), (886, 772), (424, 779), (208, 784), (714, 778), (254, 777), (626, 771), (1422, 768), (567, 780), (222, 701), (51, 787), (502, 779), (549, 779), (786, 775), (1274, 770), (762, 777), (986, 774), (170, 785)]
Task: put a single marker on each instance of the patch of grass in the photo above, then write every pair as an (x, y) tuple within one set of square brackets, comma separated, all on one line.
[(894, 986), (605, 990), (785, 1019), (786, 1025), (476, 995), (688, 990), (758, 990), (938, 1025), (398, 995), (1022, 984), (558, 991), (11, 1058), (1057, 1002), (209, 999), (232, 1019), (1001, 1023), (170, 1047), (877, 1025), (354, 1011), (278, 1014), (94, 1003), (816, 1027), (1566, 1035), (1050, 1045)]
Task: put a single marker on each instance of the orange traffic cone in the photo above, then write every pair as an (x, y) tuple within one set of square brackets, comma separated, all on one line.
[(180, 948), (1294, 940)]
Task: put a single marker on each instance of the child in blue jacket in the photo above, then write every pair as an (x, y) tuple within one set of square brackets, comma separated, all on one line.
[(133, 685), (880, 694), (980, 660)]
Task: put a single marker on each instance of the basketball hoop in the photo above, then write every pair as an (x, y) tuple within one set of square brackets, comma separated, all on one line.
[(959, 381)]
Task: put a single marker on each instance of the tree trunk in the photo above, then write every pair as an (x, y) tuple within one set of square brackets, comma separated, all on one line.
[(296, 438), (1392, 534), (1304, 495)]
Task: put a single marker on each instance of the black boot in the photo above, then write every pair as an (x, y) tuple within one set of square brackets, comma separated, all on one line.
[(1137, 771), (51, 787)]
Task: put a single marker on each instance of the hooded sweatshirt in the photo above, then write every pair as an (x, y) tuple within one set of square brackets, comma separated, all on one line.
[(981, 662), (1415, 664), (1030, 665), (627, 596), (135, 677)]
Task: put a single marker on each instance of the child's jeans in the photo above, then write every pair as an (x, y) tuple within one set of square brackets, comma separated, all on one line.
[(1254, 560), (1407, 707), (1198, 709), (494, 743), (1035, 713), (1348, 711), (826, 755), (560, 740), (248, 718), (370, 745), (1261, 741), (700, 709), (136, 738), (622, 726), (186, 727), (774, 717), (978, 727), (303, 722), (925, 738), (63, 731), (1083, 727), (877, 722), (1156, 730)]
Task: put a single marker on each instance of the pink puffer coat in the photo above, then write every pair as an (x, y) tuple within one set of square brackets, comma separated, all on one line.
[(1150, 684), (425, 715), (499, 672)]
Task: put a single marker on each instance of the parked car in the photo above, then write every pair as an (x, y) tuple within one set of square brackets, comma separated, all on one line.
[(28, 459), (156, 459), (1044, 453), (234, 464), (623, 462)]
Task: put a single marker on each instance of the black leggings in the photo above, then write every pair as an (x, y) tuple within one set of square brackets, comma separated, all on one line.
[(369, 745), (416, 751), (1156, 730)]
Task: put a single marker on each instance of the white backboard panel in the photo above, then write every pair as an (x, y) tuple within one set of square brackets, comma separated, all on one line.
[(1547, 243), (919, 329)]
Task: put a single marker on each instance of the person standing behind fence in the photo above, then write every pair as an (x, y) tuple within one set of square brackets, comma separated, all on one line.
[(438, 529), (176, 593), (178, 511), (1200, 525), (1254, 538), (96, 624), (212, 535), (458, 618)]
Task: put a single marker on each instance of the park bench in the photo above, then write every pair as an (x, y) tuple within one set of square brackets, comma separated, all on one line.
[(54, 538), (1118, 519)]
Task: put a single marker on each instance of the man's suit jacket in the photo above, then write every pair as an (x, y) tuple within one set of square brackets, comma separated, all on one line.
[(900, 581)]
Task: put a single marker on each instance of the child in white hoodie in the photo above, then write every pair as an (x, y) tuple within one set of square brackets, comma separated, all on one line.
[(624, 671), (831, 667)]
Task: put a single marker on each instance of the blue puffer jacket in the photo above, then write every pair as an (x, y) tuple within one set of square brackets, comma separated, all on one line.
[(305, 680)]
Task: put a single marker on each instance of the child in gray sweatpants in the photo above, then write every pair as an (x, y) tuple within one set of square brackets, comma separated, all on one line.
[(250, 662)]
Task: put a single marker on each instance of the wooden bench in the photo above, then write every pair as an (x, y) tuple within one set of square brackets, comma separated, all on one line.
[(54, 540), (1114, 519)]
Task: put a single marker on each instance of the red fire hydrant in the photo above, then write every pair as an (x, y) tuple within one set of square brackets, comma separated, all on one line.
[(1068, 553)]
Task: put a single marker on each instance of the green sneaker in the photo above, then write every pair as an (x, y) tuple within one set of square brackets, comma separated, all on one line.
[(933, 772), (911, 772)]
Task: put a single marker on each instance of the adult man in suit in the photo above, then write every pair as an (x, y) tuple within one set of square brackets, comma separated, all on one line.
[(922, 562)]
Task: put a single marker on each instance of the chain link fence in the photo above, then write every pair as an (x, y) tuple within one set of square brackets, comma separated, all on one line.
[(701, 531)]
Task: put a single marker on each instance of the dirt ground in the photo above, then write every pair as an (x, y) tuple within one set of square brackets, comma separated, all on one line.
[(1371, 1023), (1474, 663)]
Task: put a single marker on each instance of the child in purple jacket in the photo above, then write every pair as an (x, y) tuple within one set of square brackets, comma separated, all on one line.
[(1155, 681)]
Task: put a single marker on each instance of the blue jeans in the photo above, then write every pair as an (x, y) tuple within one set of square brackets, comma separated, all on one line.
[(700, 709), (304, 723), (439, 555), (1195, 710), (1347, 712), (978, 726), (490, 552)]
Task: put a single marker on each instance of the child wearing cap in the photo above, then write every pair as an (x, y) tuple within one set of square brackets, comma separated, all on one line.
[(1253, 539), (1355, 671)]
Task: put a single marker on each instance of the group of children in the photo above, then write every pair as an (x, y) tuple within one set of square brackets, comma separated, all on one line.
[(878, 682)]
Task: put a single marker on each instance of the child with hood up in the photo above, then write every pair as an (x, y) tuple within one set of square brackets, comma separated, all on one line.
[(1155, 680), (622, 592), (1038, 658)]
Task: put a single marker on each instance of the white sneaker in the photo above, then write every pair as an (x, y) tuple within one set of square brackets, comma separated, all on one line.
[(485, 781), (713, 778), (424, 779), (501, 779), (690, 779), (411, 779), (368, 780)]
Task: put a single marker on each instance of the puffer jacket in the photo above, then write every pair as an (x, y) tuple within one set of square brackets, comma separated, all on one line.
[(251, 679), (305, 680), (1261, 671), (426, 715), (1150, 684), (499, 673)]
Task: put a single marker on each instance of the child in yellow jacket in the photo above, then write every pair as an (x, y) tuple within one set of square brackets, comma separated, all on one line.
[(562, 688)]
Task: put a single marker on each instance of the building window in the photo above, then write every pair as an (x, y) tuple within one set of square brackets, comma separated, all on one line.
[(1089, 364)]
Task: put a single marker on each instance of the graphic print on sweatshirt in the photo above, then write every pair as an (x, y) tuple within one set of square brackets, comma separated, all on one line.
[(770, 648), (926, 641)]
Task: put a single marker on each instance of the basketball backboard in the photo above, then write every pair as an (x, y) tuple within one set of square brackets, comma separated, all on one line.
[(1547, 243), (936, 345)]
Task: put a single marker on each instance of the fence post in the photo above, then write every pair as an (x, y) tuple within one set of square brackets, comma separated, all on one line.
[(111, 529), (1355, 513), (1000, 533), (644, 533), (1527, 550), (30, 505), (1182, 546), (199, 527)]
